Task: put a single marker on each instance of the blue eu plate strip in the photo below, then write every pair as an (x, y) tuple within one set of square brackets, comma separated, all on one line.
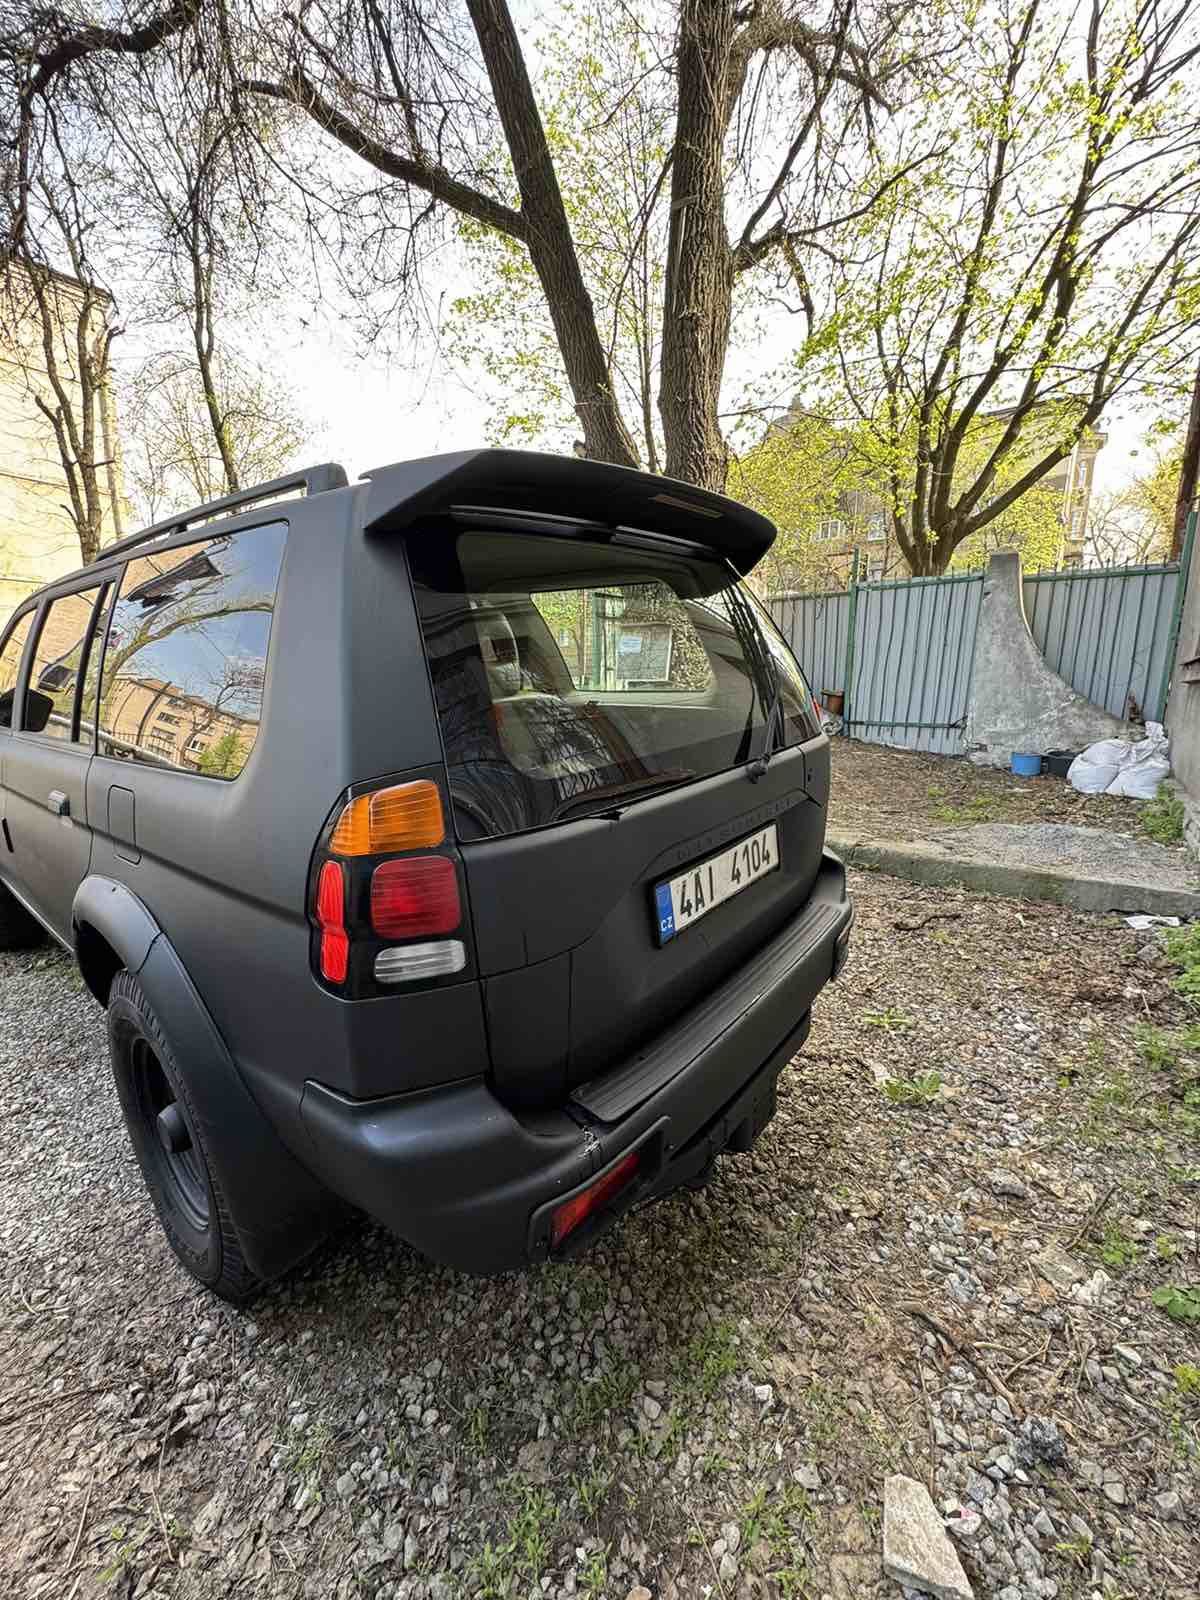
[(666, 912)]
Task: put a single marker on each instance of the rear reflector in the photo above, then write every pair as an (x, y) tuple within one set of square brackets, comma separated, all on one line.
[(411, 961), (415, 896), (331, 919), (407, 816), (578, 1209)]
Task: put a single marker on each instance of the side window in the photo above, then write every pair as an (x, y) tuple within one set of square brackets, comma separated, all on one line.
[(58, 660), (182, 683), (10, 665)]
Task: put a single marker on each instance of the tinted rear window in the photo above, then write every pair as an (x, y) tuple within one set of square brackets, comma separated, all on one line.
[(571, 676)]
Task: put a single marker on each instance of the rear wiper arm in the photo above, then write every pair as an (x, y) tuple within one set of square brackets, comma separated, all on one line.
[(636, 788), (772, 732)]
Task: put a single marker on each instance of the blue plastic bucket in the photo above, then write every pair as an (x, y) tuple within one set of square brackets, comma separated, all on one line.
[(1026, 766)]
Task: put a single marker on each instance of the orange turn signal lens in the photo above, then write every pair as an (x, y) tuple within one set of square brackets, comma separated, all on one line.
[(405, 817)]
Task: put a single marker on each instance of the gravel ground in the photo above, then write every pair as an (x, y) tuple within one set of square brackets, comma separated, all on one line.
[(902, 793), (945, 1276)]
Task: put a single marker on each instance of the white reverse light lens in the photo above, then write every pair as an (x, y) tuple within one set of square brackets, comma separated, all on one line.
[(405, 962)]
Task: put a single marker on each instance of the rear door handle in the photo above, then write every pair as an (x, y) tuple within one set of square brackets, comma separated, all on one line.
[(58, 803)]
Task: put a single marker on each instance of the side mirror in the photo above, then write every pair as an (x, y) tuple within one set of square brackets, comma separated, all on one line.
[(37, 711)]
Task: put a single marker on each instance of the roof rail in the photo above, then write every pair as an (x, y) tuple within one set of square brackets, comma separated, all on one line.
[(314, 480)]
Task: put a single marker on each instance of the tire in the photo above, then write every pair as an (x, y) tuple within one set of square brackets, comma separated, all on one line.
[(18, 929), (175, 1160)]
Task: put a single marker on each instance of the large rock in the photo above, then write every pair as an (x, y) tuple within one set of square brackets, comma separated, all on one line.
[(916, 1550)]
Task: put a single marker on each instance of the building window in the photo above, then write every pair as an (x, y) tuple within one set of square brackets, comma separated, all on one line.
[(830, 528), (165, 716), (875, 528), (874, 571)]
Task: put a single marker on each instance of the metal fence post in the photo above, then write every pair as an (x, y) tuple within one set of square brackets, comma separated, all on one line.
[(1185, 563), (851, 614)]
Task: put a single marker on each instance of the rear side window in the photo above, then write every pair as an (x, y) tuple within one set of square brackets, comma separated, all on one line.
[(185, 665), (10, 664), (58, 658), (572, 676)]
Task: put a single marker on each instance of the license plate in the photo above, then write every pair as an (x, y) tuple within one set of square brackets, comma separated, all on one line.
[(693, 894)]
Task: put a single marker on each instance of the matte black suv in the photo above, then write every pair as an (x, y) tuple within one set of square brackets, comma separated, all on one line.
[(449, 842)]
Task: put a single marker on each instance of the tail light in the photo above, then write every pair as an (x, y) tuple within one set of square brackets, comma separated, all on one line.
[(575, 1211), (331, 920), (384, 873), (415, 896)]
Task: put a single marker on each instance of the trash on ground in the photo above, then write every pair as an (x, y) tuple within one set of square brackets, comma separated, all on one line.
[(1142, 920)]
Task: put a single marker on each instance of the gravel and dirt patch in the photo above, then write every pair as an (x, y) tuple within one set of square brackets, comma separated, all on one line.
[(902, 794), (938, 1261)]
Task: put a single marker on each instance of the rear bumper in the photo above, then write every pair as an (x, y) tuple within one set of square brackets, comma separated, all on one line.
[(470, 1184)]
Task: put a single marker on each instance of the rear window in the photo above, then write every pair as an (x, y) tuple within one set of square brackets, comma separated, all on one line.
[(572, 676)]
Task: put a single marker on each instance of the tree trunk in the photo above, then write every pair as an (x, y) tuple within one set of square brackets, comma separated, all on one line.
[(1189, 473), (698, 293), (551, 246)]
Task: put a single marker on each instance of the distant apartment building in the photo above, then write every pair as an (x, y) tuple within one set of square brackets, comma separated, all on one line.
[(38, 539), (860, 522)]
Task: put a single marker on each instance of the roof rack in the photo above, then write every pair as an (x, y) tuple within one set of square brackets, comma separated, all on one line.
[(313, 480)]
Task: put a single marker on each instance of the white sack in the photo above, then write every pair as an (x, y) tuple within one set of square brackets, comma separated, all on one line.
[(1148, 764), (1095, 768)]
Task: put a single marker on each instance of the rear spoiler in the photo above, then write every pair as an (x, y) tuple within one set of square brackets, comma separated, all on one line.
[(593, 493)]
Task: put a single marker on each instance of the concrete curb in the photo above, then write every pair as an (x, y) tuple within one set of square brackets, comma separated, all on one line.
[(922, 863)]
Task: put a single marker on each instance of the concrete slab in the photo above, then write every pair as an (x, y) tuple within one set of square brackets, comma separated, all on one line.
[(1089, 869)]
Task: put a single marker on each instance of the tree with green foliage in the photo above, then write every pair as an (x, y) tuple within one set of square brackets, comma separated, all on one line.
[(979, 317)]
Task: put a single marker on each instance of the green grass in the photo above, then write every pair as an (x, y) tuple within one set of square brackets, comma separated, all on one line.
[(1187, 1380), (1162, 817), (1183, 951), (890, 1020), (712, 1356), (516, 1564), (979, 808)]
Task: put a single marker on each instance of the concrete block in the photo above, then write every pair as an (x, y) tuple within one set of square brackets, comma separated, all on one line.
[(1017, 701)]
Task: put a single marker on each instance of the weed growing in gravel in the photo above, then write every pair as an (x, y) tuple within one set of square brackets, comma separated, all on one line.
[(594, 1577), (612, 1391), (711, 1357), (523, 1555), (1165, 1247), (778, 1518), (1182, 1304), (592, 1491), (306, 1455), (1078, 1550), (1162, 817), (1116, 1249), (890, 1020), (1187, 1380), (918, 1091), (1183, 949)]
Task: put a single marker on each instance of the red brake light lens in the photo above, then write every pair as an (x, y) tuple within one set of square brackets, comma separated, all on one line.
[(414, 897), (331, 919), (578, 1209)]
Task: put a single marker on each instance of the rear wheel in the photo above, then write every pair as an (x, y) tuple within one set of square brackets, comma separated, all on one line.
[(172, 1153), (18, 930)]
